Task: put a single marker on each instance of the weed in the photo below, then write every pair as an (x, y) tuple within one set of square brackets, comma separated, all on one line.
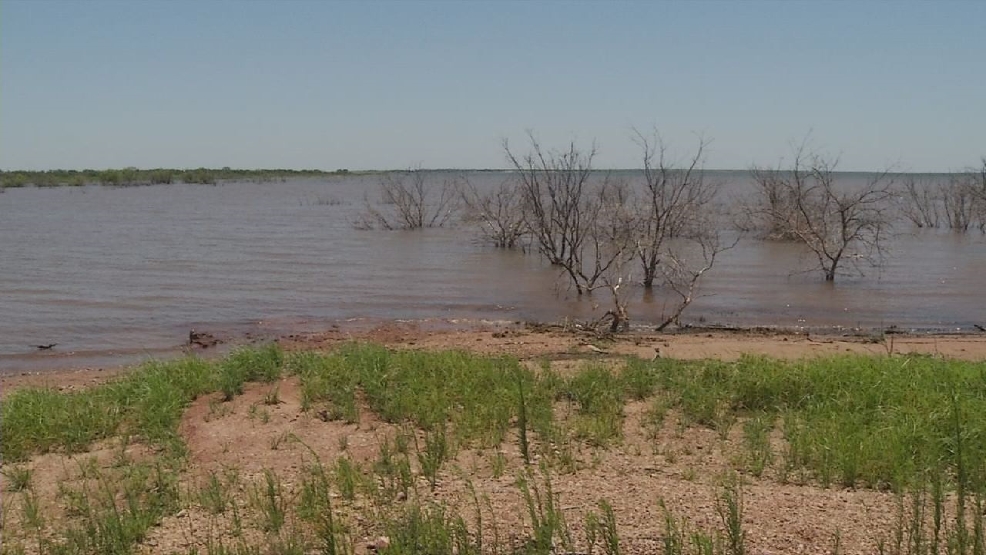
[(498, 464), (428, 389), (217, 410), (348, 477), (272, 397), (602, 528), (547, 519), (394, 468), (430, 529), (249, 364), (598, 394), (271, 502), (316, 507), (18, 478), (640, 380), (280, 439), (729, 507), (756, 434), (215, 495), (435, 453), (525, 448)]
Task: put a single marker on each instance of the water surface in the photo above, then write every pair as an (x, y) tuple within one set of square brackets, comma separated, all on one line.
[(114, 274)]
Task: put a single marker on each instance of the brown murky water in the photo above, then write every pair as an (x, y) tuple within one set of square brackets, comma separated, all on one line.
[(113, 275)]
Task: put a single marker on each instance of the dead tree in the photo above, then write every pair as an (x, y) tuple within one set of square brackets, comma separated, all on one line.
[(499, 213), (979, 195), (565, 212), (958, 200), (920, 204), (673, 200), (409, 201), (773, 215), (683, 269), (835, 223), (956, 203)]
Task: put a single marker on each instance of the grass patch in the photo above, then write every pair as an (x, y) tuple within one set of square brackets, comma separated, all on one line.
[(851, 420), (146, 403), (115, 512), (18, 478), (476, 396), (916, 424), (599, 395)]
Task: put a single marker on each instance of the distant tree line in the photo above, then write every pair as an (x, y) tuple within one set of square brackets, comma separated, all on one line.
[(134, 176)]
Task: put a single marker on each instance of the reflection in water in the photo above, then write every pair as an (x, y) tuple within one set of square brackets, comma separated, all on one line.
[(130, 270)]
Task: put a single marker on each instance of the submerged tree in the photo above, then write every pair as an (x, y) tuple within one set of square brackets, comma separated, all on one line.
[(835, 222), (411, 201), (675, 203), (499, 213), (565, 212), (920, 203), (597, 228), (979, 192), (954, 203)]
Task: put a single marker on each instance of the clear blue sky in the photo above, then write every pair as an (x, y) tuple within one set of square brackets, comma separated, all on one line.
[(375, 84)]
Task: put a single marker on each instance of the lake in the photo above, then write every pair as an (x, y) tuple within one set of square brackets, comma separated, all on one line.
[(113, 275)]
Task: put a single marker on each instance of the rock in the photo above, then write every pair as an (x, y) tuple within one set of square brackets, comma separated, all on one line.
[(381, 542)]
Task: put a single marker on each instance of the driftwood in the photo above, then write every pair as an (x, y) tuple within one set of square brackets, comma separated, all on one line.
[(201, 339)]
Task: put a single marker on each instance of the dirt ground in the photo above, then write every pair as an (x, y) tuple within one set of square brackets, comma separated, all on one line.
[(681, 466)]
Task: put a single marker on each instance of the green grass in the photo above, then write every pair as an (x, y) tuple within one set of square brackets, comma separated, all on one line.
[(18, 478), (146, 403), (913, 424), (115, 512), (599, 395), (477, 397), (849, 420)]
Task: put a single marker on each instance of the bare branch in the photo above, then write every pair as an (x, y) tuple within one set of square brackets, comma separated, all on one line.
[(805, 204), (500, 213), (411, 202)]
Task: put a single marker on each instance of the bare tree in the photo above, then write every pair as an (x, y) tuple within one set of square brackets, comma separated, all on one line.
[(920, 204), (979, 195), (674, 199), (774, 215), (958, 200), (565, 212), (683, 270), (411, 202), (958, 203), (596, 230), (500, 213), (835, 223)]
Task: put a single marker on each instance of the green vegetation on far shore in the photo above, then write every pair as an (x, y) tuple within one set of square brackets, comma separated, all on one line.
[(912, 424), (134, 176)]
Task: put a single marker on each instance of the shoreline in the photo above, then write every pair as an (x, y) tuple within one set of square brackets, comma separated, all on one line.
[(534, 341)]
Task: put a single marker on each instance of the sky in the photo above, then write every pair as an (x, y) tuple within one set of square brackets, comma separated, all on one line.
[(442, 84)]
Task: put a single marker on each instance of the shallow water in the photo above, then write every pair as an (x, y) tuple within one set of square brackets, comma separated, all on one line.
[(115, 274)]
